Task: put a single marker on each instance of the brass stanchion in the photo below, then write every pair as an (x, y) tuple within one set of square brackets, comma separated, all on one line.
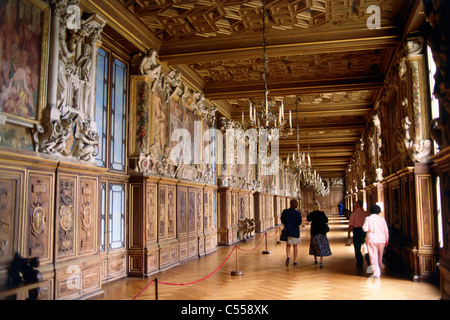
[(237, 272), (266, 251)]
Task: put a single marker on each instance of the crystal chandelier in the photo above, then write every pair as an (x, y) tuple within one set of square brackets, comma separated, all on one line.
[(301, 164), (301, 161), (266, 119)]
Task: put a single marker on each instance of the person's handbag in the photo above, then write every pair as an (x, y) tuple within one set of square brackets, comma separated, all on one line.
[(283, 236), (349, 242)]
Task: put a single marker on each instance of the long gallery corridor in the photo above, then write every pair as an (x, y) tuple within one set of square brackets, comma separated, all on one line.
[(267, 278)]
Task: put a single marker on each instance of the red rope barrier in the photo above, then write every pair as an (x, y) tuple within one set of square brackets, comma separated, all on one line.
[(256, 245), (148, 285), (188, 283), (185, 284), (274, 233), (209, 275)]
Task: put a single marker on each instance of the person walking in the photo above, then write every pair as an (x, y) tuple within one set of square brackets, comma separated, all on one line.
[(319, 245), (341, 209), (292, 219), (377, 238), (355, 224)]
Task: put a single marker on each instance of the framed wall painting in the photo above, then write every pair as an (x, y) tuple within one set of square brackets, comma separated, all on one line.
[(24, 27), (182, 117)]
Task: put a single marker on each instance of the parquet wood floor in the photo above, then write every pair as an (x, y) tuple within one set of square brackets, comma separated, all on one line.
[(267, 278)]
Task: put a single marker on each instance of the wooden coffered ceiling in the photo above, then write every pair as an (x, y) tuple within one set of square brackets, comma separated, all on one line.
[(324, 61)]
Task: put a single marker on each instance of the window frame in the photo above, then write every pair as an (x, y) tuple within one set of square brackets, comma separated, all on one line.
[(107, 111)]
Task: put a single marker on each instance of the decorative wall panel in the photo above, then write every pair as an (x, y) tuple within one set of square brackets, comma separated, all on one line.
[(11, 199), (151, 212), (88, 216), (11, 184), (39, 220), (65, 226)]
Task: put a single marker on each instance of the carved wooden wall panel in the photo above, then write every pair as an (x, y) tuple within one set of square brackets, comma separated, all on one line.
[(200, 222), (278, 208), (136, 259), (191, 224), (408, 197), (182, 217), (91, 280), (162, 213), (252, 205), (258, 211), (135, 219), (199, 209), (171, 212), (152, 223), (425, 218), (143, 250), (115, 266), (66, 222), (11, 199), (167, 217), (209, 220), (151, 212), (63, 291), (393, 203), (224, 216), (206, 210), (269, 207), (39, 220), (88, 216)]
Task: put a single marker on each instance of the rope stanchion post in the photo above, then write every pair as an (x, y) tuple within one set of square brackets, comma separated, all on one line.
[(266, 251), (237, 272), (156, 288)]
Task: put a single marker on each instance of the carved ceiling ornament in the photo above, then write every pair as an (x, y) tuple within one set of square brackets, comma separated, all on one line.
[(71, 110), (204, 19)]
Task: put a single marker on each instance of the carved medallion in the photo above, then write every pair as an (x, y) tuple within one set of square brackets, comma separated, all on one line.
[(65, 217), (37, 216), (38, 221)]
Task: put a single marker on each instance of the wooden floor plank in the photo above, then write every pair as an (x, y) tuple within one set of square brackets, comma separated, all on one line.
[(267, 278)]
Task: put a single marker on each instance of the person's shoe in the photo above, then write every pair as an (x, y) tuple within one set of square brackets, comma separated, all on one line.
[(321, 265), (287, 261), (295, 264)]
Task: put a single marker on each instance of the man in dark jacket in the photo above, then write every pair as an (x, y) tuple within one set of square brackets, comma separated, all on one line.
[(292, 219)]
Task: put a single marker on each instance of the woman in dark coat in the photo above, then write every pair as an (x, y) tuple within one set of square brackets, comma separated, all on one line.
[(292, 219), (319, 246)]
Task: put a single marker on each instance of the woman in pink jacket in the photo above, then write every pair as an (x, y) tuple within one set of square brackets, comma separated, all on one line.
[(377, 238)]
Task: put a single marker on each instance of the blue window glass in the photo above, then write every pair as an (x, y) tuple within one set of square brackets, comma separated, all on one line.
[(118, 115), (101, 105), (116, 216)]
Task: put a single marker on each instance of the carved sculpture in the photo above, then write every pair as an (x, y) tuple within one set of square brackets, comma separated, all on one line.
[(150, 68), (418, 151), (71, 104)]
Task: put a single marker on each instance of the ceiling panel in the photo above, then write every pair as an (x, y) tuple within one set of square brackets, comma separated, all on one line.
[(325, 63)]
